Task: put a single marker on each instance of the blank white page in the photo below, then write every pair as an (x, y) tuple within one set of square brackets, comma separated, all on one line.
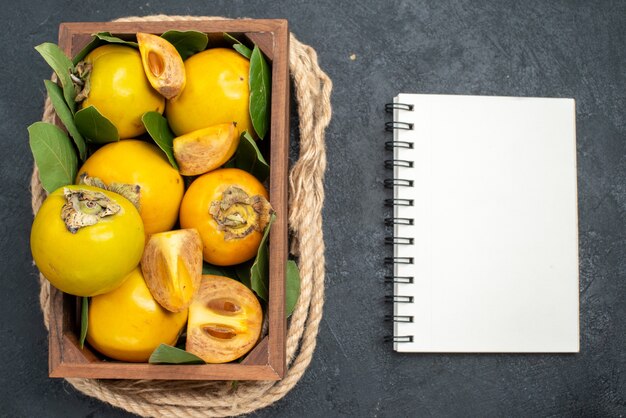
[(495, 253)]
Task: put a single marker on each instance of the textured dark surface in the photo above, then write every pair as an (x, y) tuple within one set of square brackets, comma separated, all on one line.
[(533, 48)]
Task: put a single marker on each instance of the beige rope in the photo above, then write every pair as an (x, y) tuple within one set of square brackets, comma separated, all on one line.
[(219, 399)]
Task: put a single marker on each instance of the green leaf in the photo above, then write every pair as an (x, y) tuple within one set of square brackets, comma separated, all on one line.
[(108, 38), (65, 114), (243, 50), (238, 45), (259, 272), (94, 126), (243, 273), (160, 132), (292, 287), (99, 39), (260, 91), (248, 157), (219, 271), (188, 42), (54, 155), (62, 66), (84, 321), (95, 42), (166, 354), (227, 36)]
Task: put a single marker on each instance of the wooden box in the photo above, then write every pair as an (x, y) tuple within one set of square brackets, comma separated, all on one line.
[(267, 360)]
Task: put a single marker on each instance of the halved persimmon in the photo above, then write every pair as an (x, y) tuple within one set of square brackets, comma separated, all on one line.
[(201, 151), (172, 266), (225, 320), (162, 64)]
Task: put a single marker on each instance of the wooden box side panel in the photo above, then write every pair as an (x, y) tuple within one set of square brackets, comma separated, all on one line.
[(279, 198), (267, 360)]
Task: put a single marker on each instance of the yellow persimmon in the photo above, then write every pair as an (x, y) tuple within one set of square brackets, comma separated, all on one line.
[(118, 87), (124, 165), (127, 324), (85, 240), (229, 208), (216, 91)]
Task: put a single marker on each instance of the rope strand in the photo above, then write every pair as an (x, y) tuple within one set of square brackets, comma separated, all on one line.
[(193, 399)]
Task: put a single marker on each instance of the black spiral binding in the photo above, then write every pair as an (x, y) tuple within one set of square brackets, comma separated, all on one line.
[(390, 145), (398, 240), (398, 221), (390, 126), (391, 183), (390, 164), (398, 339), (398, 202), (399, 318), (389, 107)]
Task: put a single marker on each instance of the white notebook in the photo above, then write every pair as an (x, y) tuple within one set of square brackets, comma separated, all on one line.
[(485, 224)]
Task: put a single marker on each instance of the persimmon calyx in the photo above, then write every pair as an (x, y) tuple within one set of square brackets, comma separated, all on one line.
[(237, 214), (85, 207), (80, 77), (131, 192)]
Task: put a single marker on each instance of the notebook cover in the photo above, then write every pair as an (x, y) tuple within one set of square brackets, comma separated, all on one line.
[(495, 254)]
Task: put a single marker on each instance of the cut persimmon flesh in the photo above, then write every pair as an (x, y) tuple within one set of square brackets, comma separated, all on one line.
[(206, 149), (162, 64), (225, 320), (172, 267)]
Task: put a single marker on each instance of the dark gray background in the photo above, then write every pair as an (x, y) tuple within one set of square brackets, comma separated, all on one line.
[(530, 48)]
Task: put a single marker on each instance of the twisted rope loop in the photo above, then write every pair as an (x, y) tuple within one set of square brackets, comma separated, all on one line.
[(220, 399)]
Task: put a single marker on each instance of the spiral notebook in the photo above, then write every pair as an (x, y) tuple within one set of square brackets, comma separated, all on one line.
[(485, 224)]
